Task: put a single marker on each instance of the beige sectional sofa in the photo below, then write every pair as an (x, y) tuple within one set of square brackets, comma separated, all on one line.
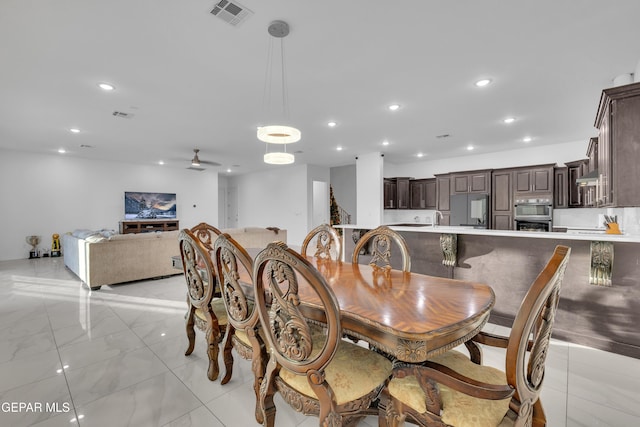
[(104, 258)]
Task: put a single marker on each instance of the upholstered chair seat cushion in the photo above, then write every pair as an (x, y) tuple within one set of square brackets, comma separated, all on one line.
[(352, 373), (218, 308), (458, 409)]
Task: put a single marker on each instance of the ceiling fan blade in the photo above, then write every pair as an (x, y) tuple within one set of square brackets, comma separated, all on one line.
[(207, 162)]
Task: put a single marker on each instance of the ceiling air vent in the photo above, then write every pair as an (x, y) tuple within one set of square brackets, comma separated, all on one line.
[(231, 12), (122, 114)]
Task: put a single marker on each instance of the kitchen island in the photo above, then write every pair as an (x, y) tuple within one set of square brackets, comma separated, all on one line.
[(600, 296)]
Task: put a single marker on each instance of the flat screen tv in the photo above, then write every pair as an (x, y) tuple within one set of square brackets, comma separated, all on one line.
[(139, 205)]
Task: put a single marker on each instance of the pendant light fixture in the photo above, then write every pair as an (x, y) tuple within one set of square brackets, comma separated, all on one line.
[(277, 135)]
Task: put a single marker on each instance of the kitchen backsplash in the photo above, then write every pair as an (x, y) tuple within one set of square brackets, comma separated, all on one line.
[(628, 218)]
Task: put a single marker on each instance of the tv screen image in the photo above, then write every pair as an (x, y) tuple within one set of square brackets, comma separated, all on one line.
[(139, 205)]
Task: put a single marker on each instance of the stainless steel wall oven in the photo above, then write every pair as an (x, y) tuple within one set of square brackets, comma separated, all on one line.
[(533, 213)]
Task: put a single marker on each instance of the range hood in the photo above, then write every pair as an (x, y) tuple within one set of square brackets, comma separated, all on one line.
[(589, 179)]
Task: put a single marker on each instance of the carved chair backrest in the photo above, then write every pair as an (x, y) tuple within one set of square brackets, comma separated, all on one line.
[(198, 269), (327, 241), (278, 274), (382, 238), (207, 234), (229, 256), (534, 322)]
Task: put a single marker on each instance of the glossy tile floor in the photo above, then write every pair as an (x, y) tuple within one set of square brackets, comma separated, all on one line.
[(115, 357)]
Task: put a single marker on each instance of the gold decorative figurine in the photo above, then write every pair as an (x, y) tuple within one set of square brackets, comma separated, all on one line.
[(55, 245)]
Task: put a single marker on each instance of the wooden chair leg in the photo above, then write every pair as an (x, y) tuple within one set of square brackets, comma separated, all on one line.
[(539, 417), (191, 333), (227, 354), (212, 351), (475, 352), (258, 357), (267, 391)]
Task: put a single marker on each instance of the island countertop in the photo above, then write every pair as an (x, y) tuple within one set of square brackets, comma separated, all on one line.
[(598, 292), (428, 228)]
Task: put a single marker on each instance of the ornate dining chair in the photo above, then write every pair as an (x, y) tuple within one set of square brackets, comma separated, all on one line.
[(204, 311), (453, 390), (207, 234), (232, 260), (328, 243), (381, 239), (317, 374)]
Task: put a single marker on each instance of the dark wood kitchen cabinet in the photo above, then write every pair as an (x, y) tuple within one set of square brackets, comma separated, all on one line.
[(390, 193), (536, 179), (575, 193), (403, 192), (618, 124), (423, 193), (502, 199), (589, 192), (443, 192), (396, 193), (471, 182), (562, 187)]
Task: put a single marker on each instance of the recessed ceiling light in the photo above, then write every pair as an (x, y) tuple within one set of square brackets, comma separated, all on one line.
[(509, 120), (229, 170), (385, 142), (420, 155), (74, 130), (106, 86), (61, 150), (161, 162), (339, 148), (394, 107), (470, 147), (483, 82), (332, 124), (526, 139)]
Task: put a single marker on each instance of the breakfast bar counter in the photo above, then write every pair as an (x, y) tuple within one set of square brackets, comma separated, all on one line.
[(600, 296)]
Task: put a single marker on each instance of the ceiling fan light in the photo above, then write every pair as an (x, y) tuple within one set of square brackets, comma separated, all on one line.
[(278, 134), (279, 158)]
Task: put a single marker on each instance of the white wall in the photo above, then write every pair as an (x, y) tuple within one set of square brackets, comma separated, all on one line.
[(274, 198), (343, 181), (46, 194), (559, 153), (369, 168), (223, 184), (316, 174)]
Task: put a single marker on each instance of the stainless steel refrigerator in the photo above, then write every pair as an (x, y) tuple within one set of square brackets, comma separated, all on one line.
[(469, 210)]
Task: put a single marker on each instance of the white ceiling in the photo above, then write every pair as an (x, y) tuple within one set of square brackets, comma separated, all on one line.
[(192, 80)]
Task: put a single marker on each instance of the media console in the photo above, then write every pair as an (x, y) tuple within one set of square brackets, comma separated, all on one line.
[(148, 226)]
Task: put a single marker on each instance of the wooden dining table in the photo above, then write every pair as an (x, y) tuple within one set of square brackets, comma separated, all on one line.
[(412, 317), (409, 316)]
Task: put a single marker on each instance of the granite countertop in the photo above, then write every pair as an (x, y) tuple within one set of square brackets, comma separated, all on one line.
[(596, 235)]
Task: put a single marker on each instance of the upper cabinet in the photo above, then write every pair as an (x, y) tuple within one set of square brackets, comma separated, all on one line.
[(396, 193), (390, 193), (423, 193), (471, 182), (536, 179), (575, 193), (562, 188), (502, 199), (443, 194), (618, 147)]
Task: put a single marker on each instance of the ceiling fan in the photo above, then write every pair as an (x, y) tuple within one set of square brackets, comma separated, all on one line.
[(196, 163)]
